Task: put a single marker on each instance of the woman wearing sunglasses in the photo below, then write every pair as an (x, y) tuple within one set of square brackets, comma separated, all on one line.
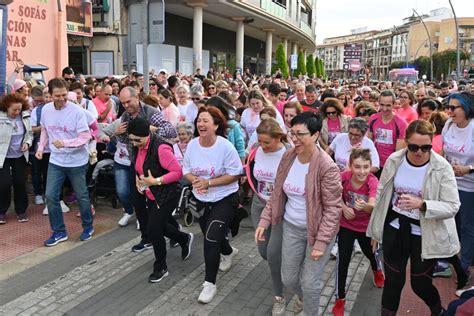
[(307, 199), (413, 218), (157, 176), (334, 121), (458, 147)]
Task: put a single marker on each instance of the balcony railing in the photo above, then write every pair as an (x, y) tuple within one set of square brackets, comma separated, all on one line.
[(274, 8), (305, 27)]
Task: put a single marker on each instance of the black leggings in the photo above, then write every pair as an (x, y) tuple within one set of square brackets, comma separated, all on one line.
[(158, 227), (421, 271), (345, 243), (142, 212), (13, 173), (215, 222)]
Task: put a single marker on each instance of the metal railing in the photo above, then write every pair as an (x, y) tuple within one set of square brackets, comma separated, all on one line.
[(274, 8)]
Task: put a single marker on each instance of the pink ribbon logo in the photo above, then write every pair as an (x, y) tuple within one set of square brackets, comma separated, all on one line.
[(212, 173)]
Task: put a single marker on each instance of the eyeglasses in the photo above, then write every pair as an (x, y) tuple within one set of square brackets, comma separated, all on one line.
[(366, 91), (135, 140), (452, 108), (152, 84), (361, 79), (195, 99), (298, 135), (331, 113), (352, 135), (414, 148), (209, 88)]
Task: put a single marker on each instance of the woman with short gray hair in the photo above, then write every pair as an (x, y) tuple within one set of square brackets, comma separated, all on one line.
[(185, 134), (343, 144)]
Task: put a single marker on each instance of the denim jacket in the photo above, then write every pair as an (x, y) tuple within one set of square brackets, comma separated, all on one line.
[(6, 129), (438, 228)]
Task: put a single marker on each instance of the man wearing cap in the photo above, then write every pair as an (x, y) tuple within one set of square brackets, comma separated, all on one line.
[(163, 78)]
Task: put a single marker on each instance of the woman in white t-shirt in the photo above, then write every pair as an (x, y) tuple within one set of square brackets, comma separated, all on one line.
[(343, 144), (250, 117), (413, 218), (168, 106), (458, 148), (306, 199), (261, 170), (212, 165), (16, 138), (182, 95)]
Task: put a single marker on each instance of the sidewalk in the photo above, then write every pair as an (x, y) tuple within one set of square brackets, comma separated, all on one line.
[(103, 277)]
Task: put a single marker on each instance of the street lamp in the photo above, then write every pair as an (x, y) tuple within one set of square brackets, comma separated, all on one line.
[(431, 45), (458, 62)]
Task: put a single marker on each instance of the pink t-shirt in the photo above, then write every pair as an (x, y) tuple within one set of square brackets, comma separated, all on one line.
[(409, 114), (334, 128), (350, 195), (279, 106), (437, 143), (101, 107), (167, 160), (385, 135)]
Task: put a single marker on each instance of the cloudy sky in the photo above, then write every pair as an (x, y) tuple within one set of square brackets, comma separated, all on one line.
[(338, 17)]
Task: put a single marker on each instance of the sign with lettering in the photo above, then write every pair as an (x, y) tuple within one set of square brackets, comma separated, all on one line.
[(79, 17), (3, 47), (352, 52), (32, 35)]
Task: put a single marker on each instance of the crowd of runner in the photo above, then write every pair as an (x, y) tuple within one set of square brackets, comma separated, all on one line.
[(327, 167)]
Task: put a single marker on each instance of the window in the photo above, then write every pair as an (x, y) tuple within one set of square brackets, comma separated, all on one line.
[(280, 2)]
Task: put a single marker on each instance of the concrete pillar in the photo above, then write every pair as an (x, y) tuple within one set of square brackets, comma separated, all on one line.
[(239, 44), (268, 50), (197, 34), (294, 48), (284, 40)]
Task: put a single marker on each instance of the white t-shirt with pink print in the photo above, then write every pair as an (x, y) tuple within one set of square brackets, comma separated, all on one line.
[(295, 190), (66, 123), (458, 147), (213, 162)]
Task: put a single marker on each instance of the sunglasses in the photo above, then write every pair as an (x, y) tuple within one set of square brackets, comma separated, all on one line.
[(195, 99), (331, 113), (366, 91), (414, 148), (134, 140), (452, 108), (152, 84), (209, 88)]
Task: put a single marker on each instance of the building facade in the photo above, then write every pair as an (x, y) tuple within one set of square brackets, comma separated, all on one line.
[(403, 43), (219, 34)]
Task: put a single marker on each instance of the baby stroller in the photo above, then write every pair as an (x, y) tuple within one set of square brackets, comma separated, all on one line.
[(186, 206), (102, 183)]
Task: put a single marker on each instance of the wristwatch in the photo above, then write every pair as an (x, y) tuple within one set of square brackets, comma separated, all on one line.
[(471, 169), (158, 181)]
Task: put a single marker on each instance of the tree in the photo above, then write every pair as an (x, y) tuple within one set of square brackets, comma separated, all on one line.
[(310, 66), (317, 66), (301, 66), (281, 62)]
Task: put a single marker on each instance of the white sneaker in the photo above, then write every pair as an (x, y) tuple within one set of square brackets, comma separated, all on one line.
[(334, 250), (39, 200), (138, 225), (279, 306), (357, 247), (64, 207), (226, 261), (124, 220), (459, 292), (208, 292)]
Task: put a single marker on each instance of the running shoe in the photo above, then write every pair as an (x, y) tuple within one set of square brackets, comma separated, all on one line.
[(3, 219), (226, 260), (87, 234), (22, 218), (156, 277), (442, 269), (141, 246), (338, 309), (186, 249), (279, 306), (208, 292), (55, 239), (39, 200), (124, 220)]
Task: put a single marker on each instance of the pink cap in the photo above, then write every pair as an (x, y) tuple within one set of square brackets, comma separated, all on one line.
[(17, 85), (72, 96)]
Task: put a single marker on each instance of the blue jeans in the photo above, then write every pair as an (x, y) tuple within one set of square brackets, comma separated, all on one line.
[(54, 185), (123, 181), (466, 213)]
